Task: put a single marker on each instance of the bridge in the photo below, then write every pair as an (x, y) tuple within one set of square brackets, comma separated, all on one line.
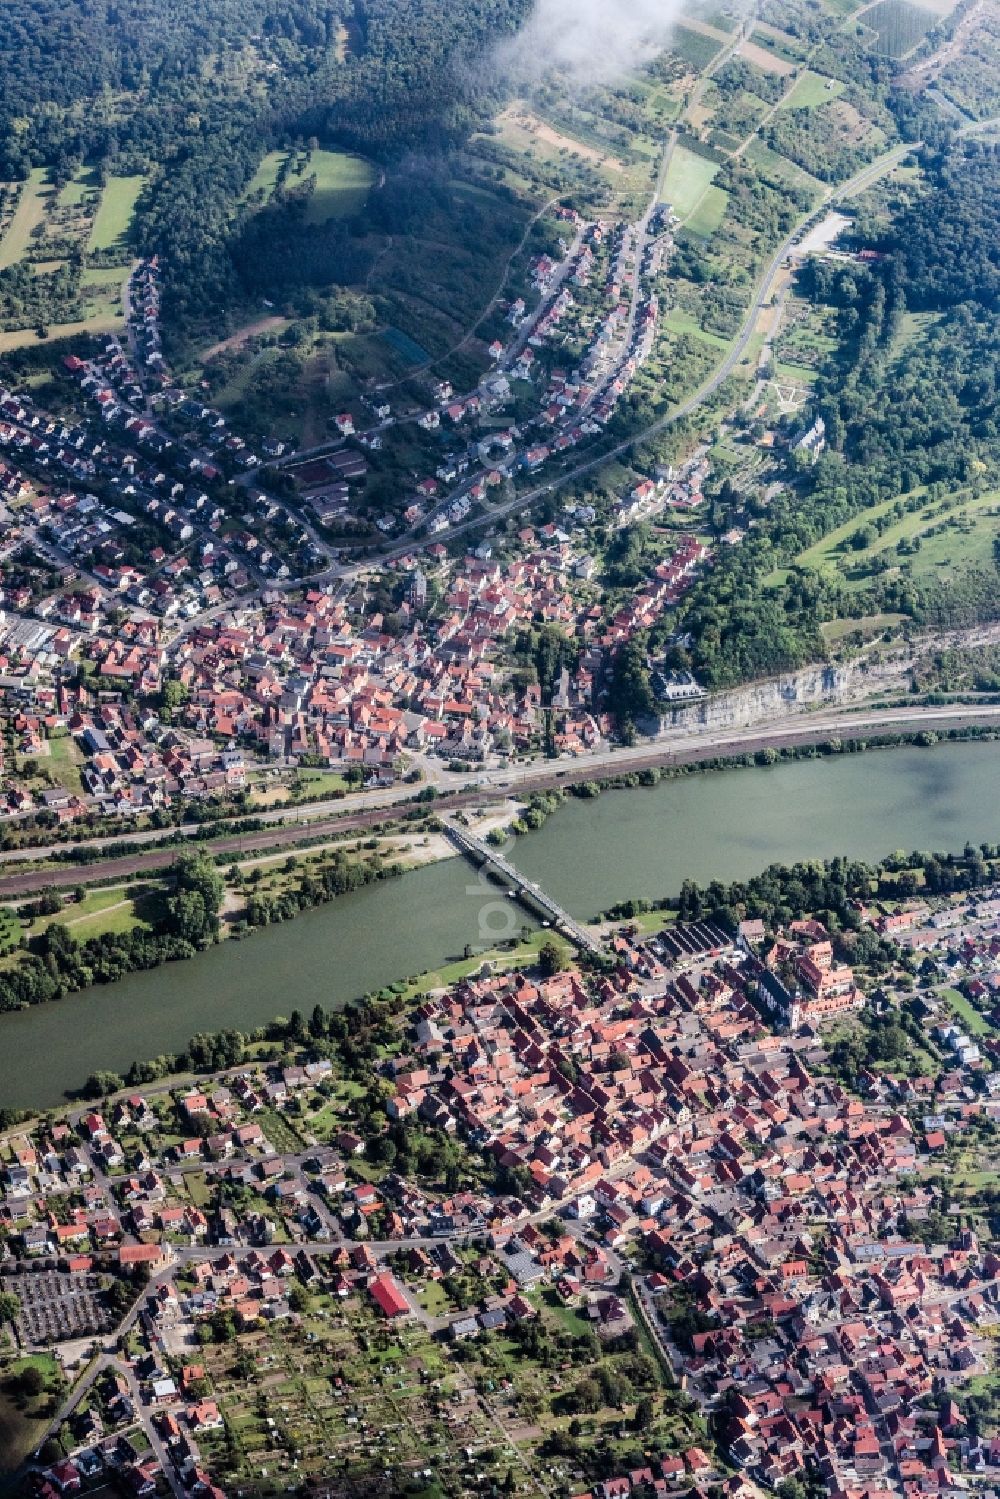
[(527, 891)]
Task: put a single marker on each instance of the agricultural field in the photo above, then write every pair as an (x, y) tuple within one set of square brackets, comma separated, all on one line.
[(54, 230), (688, 179), (898, 25), (114, 216), (779, 43), (696, 48), (29, 214), (767, 61), (967, 72)]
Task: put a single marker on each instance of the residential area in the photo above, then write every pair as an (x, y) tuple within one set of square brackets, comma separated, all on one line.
[(660, 1159)]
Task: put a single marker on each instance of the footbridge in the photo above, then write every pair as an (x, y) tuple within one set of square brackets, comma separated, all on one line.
[(525, 890)]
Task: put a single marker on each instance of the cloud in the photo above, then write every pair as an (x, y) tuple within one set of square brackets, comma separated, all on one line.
[(594, 41)]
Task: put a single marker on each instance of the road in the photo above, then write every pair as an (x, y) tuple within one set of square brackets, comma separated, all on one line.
[(288, 828)]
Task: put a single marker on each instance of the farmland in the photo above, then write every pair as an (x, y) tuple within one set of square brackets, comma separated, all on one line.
[(696, 48), (114, 217), (689, 177), (898, 25), (28, 216)]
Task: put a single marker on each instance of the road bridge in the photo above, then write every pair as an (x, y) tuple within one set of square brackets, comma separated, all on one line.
[(526, 890)]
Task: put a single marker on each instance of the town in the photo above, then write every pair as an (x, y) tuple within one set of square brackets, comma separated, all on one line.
[(664, 1153), (111, 604)]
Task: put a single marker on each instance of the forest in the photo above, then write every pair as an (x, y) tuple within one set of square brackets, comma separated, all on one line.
[(899, 414), (194, 94)]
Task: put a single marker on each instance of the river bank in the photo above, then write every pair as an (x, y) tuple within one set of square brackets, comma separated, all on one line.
[(620, 845)]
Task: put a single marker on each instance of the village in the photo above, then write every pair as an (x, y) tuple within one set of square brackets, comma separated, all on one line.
[(660, 1158)]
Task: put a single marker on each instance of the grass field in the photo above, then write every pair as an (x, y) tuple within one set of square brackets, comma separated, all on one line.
[(108, 910), (811, 90), (114, 216), (868, 626), (679, 320), (76, 189), (773, 164), (342, 185), (966, 1013), (104, 276), (965, 533), (709, 213), (28, 215), (11, 929), (825, 552), (689, 177), (898, 25), (63, 760), (21, 1421), (24, 338), (343, 182)]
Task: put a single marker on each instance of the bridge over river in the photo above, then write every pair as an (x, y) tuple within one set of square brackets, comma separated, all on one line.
[(526, 890)]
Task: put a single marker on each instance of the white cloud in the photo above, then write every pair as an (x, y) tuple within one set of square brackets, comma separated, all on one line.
[(595, 41)]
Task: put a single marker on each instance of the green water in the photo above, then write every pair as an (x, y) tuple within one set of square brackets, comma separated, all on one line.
[(592, 853)]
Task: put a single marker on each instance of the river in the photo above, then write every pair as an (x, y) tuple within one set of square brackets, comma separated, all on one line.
[(642, 842)]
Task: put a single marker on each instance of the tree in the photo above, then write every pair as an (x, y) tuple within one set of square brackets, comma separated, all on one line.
[(10, 1306), (644, 1414), (173, 695), (550, 958), (31, 1381), (100, 1084), (193, 909)]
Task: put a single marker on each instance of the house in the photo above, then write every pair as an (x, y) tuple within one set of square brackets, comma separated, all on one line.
[(387, 1296)]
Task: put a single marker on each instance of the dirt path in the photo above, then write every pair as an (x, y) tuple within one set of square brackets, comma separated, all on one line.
[(243, 335)]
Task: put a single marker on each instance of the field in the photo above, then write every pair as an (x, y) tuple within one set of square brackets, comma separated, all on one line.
[(63, 761), (965, 1012), (28, 215), (935, 538), (114, 217), (898, 25), (23, 1421), (343, 181), (696, 48), (771, 164), (760, 57), (709, 213), (342, 185), (114, 909), (689, 177), (97, 322), (811, 90), (680, 320)]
